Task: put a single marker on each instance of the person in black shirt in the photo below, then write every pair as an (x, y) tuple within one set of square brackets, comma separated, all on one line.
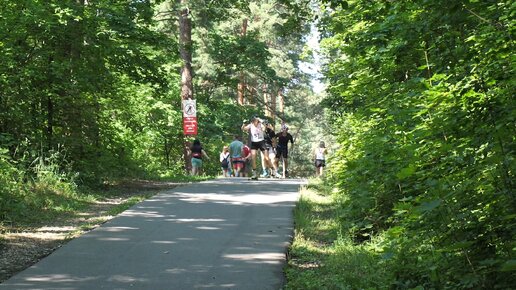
[(269, 151), (197, 153), (282, 149)]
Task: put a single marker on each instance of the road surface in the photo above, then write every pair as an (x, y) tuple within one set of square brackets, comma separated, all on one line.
[(228, 233)]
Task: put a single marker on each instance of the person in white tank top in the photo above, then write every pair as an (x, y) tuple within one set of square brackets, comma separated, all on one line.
[(320, 158), (256, 131), (255, 128)]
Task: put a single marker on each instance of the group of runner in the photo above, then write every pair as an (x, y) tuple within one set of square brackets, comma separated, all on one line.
[(240, 160)]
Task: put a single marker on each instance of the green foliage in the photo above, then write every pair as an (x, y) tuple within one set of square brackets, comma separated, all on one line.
[(421, 97), (50, 191), (321, 257), (11, 194)]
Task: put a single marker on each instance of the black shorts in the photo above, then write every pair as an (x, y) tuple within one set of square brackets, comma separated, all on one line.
[(320, 163), (258, 146), (281, 152)]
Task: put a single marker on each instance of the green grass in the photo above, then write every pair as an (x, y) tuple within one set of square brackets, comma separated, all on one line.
[(51, 198), (320, 257)]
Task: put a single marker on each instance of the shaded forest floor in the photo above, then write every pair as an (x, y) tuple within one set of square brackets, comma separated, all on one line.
[(21, 246)]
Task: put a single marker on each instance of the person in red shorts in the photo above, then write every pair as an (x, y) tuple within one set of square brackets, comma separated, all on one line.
[(237, 159)]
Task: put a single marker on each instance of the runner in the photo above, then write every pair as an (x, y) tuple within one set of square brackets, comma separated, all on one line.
[(282, 149), (269, 151), (272, 156), (319, 157), (237, 160), (257, 142)]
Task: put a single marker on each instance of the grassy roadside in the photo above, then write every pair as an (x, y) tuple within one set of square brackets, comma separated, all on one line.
[(47, 215), (320, 257), (52, 198)]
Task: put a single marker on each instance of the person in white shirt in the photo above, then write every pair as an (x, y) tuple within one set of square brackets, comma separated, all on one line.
[(225, 162), (256, 130), (320, 158)]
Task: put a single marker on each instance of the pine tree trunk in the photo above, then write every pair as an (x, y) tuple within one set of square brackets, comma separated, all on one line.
[(241, 84), (281, 101), (273, 106), (185, 50), (50, 122), (266, 107)]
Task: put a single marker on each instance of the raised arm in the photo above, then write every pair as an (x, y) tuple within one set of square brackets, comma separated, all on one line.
[(245, 127)]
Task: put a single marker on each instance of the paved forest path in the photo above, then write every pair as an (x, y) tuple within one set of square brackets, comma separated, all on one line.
[(228, 233)]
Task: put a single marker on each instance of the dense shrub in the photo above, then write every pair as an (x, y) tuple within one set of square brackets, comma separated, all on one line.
[(423, 107)]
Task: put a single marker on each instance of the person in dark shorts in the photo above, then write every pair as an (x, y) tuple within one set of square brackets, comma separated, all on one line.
[(225, 162), (320, 159), (270, 151), (256, 131), (282, 149)]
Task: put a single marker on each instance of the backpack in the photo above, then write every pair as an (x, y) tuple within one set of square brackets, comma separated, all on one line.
[(225, 162)]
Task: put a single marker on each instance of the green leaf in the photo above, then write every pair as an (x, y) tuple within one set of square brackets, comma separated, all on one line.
[(509, 266), (457, 246), (406, 172), (428, 206)]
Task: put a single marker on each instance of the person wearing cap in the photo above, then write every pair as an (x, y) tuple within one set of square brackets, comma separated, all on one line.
[(319, 157), (256, 130), (282, 149)]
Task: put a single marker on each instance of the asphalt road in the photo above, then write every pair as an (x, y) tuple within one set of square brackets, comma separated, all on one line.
[(220, 234)]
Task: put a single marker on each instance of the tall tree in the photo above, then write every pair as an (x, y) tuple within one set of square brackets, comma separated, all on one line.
[(241, 81), (185, 49)]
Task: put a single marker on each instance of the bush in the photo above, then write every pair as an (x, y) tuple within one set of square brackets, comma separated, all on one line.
[(11, 188)]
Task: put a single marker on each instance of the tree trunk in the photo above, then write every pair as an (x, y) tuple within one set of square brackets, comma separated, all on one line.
[(266, 105), (240, 89), (281, 101), (167, 148), (241, 84), (185, 50), (273, 106), (50, 122)]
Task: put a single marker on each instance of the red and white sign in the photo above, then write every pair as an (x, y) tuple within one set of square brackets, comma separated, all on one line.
[(190, 125), (189, 117)]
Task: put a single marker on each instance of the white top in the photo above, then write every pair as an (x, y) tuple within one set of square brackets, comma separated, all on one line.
[(319, 153), (223, 156), (256, 133)]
